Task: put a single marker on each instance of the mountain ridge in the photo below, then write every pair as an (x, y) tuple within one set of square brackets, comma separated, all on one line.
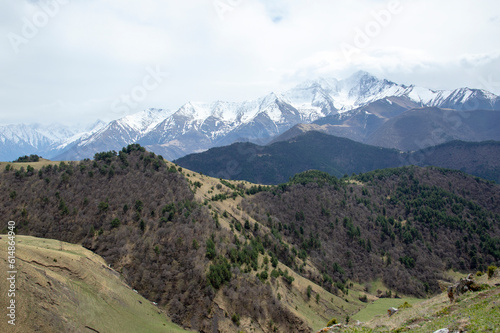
[(394, 126), (199, 126), (278, 161)]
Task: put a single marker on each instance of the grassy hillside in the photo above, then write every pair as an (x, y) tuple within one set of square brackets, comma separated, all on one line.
[(471, 312), (65, 288)]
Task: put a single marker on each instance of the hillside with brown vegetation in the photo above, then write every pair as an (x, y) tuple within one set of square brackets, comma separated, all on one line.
[(406, 226), (230, 255), (139, 213)]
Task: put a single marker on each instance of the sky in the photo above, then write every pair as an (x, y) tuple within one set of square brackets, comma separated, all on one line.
[(75, 61)]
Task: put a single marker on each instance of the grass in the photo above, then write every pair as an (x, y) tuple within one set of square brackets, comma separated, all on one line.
[(72, 288), (37, 165), (380, 306), (476, 312), (472, 312)]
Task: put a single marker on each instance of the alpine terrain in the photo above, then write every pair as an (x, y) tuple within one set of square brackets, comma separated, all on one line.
[(356, 106)]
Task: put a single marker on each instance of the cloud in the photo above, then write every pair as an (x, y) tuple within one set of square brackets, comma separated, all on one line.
[(87, 55)]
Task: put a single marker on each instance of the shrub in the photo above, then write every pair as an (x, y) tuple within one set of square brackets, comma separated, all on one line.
[(139, 205), (26, 158), (491, 271), (219, 273), (103, 206), (332, 322), (405, 305), (288, 278), (211, 253), (115, 223), (236, 319), (237, 225), (274, 262)]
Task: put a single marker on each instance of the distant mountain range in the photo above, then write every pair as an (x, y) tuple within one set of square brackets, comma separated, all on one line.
[(356, 107), (46, 141), (391, 126), (277, 162)]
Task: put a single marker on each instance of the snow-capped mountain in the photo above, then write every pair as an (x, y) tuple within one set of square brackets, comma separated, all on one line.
[(14, 138), (112, 136), (195, 126), (21, 139), (362, 88)]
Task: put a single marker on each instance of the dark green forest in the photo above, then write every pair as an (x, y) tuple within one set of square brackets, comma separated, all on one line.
[(277, 162)]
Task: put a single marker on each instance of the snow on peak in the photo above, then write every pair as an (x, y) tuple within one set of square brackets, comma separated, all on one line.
[(305, 102), (356, 90), (145, 120)]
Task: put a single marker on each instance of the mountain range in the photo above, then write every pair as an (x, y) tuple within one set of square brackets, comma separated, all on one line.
[(356, 106), (392, 126), (44, 140), (277, 162)]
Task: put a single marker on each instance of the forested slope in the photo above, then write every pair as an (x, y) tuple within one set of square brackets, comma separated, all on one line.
[(139, 213), (406, 225), (228, 255)]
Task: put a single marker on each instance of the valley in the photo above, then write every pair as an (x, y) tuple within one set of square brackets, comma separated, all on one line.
[(240, 256)]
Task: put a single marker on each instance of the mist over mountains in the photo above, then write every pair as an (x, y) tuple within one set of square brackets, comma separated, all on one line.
[(355, 108)]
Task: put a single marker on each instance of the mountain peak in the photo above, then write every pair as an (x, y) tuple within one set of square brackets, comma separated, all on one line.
[(361, 74), (146, 119), (197, 126)]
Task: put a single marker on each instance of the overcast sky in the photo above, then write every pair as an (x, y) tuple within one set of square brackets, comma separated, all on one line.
[(79, 60)]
